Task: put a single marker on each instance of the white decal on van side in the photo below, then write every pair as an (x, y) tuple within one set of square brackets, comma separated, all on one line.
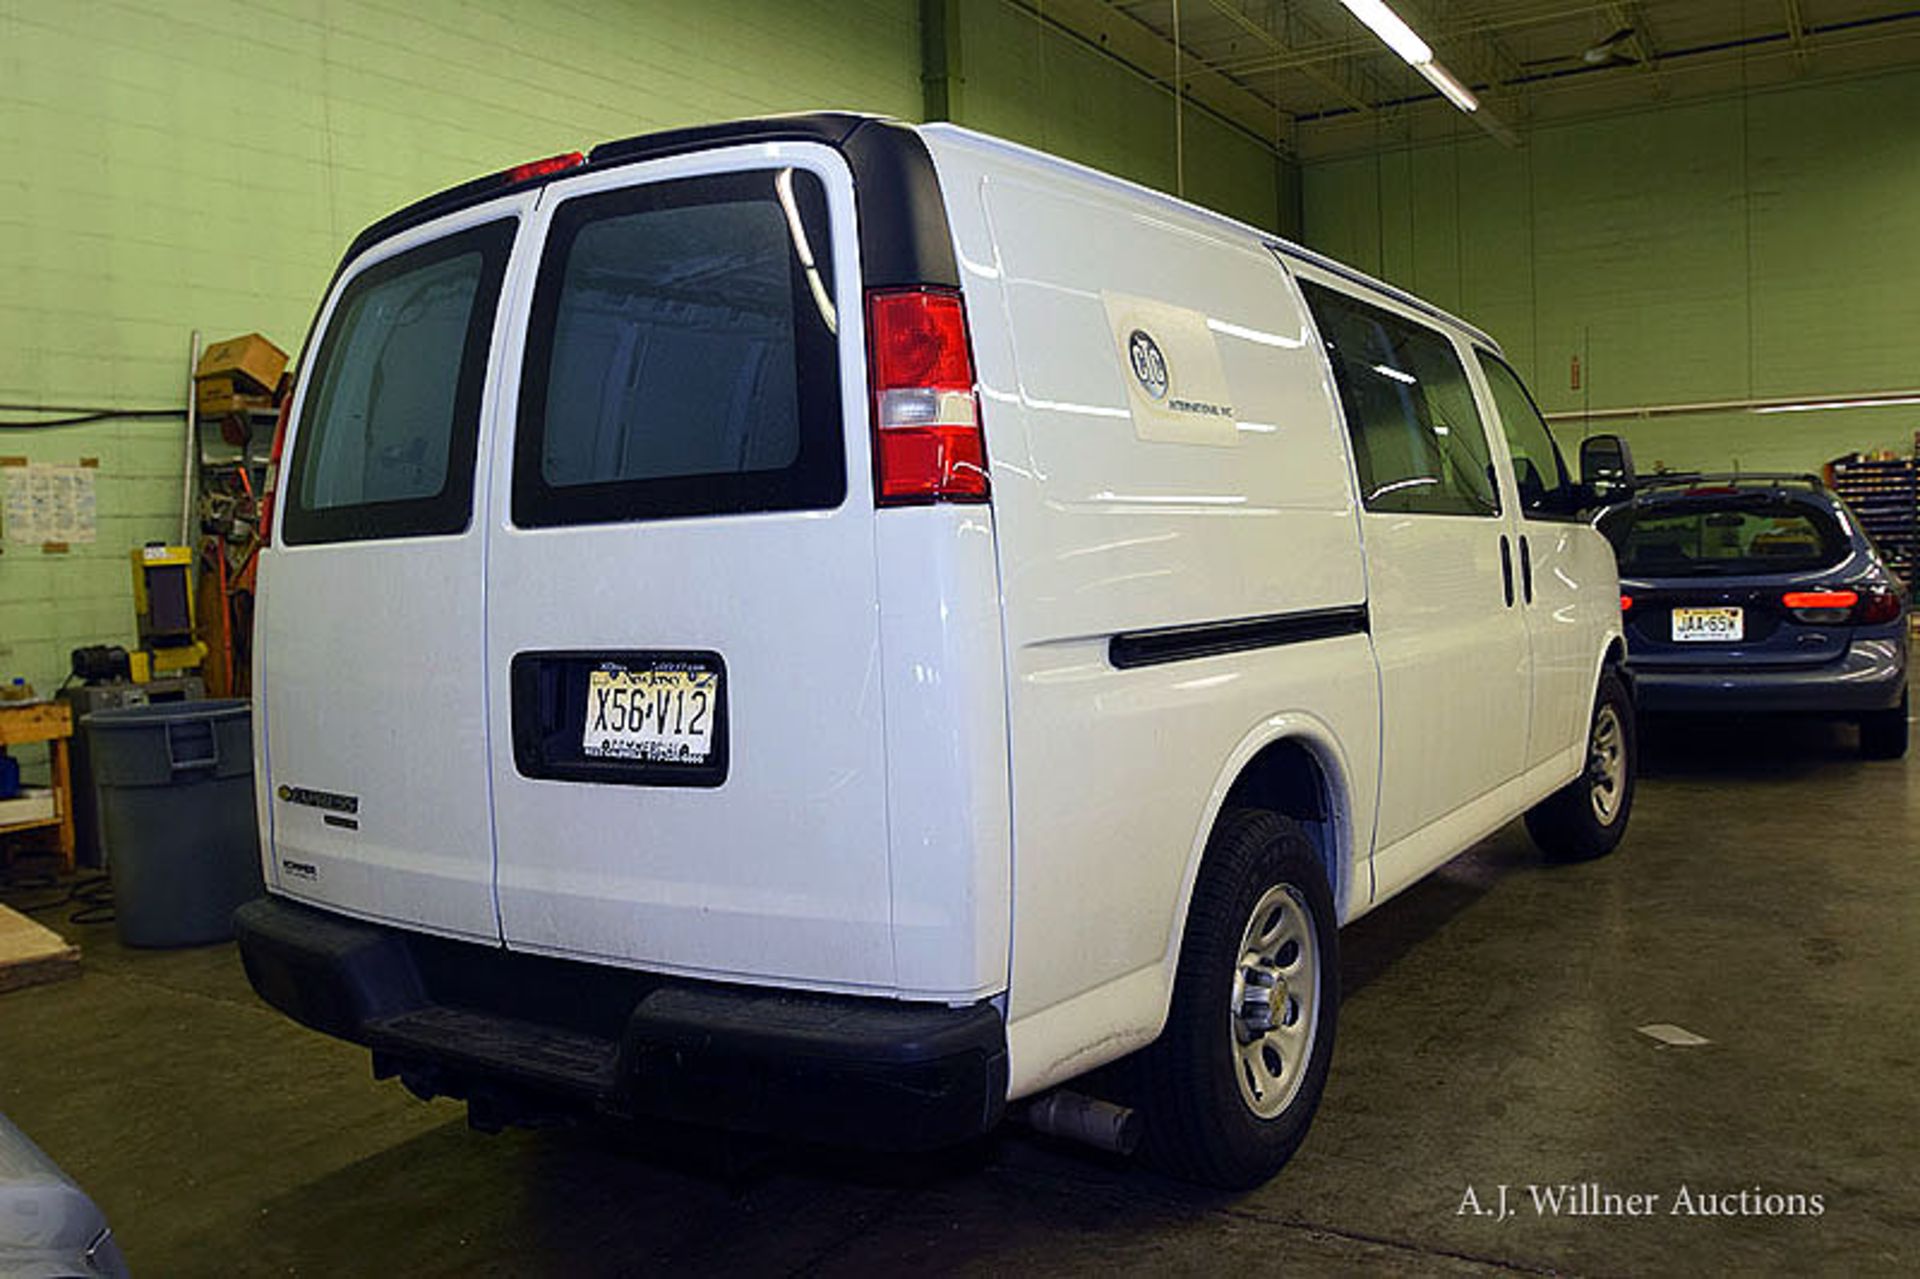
[(1176, 387)]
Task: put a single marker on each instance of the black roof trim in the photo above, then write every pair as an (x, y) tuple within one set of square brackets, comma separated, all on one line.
[(469, 193), (904, 236), (829, 127)]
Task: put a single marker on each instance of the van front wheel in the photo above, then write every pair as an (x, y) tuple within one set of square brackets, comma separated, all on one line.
[(1232, 1083), (1586, 818)]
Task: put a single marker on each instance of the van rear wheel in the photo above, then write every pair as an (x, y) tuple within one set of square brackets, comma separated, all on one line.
[(1231, 1085), (1586, 818)]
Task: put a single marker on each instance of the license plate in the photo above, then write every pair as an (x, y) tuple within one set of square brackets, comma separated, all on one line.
[(661, 713), (1693, 625)]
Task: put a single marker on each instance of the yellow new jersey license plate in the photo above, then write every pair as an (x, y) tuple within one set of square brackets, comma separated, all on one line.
[(1694, 625), (663, 714)]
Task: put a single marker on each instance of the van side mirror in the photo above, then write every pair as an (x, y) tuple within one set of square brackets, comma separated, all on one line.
[(1606, 466)]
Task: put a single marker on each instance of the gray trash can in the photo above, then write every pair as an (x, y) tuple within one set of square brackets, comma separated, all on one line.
[(176, 818)]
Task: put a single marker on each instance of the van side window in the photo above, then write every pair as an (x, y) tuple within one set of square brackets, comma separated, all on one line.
[(682, 356), (391, 420), (1418, 442), (1538, 469)]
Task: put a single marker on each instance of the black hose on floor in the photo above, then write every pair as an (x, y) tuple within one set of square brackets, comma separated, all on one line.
[(38, 891)]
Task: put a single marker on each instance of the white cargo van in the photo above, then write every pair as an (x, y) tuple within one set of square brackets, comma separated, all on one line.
[(830, 627)]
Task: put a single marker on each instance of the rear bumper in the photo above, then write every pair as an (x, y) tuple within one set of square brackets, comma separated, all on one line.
[(521, 1037), (1870, 677)]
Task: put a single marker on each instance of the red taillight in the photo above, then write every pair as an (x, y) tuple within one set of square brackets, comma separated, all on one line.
[(1626, 603), (1820, 599), (541, 168), (1869, 607), (272, 484), (926, 419), (1878, 604)]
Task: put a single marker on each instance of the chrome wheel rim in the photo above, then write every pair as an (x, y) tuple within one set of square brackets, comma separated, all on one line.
[(1606, 765), (1276, 1001)]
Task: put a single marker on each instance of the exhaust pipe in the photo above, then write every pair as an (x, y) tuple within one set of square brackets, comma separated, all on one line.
[(1089, 1120)]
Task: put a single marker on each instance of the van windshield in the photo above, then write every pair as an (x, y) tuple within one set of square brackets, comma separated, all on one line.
[(1723, 536)]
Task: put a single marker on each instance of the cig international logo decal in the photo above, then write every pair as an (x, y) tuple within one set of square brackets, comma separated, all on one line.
[(1149, 366), (1169, 372)]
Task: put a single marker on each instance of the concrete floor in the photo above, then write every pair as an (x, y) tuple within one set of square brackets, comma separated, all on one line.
[(1765, 898)]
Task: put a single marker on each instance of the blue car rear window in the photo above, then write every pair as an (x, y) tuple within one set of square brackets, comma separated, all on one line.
[(1739, 534)]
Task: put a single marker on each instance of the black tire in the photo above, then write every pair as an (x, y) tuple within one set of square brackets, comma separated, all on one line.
[(1570, 824), (1883, 734), (1198, 1125)]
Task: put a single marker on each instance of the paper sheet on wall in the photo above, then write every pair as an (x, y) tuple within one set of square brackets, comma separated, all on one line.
[(49, 504)]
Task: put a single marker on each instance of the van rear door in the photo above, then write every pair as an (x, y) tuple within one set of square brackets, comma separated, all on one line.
[(371, 666), (682, 609)]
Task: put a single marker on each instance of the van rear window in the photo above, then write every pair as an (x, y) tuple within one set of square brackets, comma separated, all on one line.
[(390, 423), (682, 356)]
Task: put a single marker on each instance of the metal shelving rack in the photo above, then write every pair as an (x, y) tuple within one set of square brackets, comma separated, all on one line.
[(224, 481), (1885, 494)]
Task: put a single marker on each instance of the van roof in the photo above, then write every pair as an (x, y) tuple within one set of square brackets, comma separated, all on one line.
[(907, 243), (912, 241), (1278, 244)]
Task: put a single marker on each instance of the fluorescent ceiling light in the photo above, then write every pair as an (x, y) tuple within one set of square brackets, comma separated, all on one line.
[(1399, 37), (1811, 405), (1390, 27), (1451, 89)]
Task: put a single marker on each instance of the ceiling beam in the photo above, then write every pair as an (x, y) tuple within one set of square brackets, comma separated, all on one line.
[(1479, 61), (1558, 100), (1630, 13), (1472, 48), (1124, 37), (1467, 25), (1797, 33), (1478, 52), (1336, 82)]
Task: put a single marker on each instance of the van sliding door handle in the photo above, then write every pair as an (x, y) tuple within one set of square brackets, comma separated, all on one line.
[(1526, 569), (1506, 567)]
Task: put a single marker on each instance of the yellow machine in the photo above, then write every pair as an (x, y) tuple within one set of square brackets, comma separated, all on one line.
[(163, 613)]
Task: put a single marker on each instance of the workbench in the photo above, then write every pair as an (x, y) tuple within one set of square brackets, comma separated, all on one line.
[(52, 723)]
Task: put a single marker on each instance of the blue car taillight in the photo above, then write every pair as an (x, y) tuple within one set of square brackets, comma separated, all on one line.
[(1877, 604), (1842, 606)]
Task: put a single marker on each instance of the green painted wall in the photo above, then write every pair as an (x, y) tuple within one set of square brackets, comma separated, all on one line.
[(1762, 246), (167, 165)]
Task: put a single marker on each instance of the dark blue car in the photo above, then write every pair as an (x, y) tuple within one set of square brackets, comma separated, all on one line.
[(1760, 593)]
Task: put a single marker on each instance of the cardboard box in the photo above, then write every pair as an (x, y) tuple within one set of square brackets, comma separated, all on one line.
[(222, 394), (252, 363)]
